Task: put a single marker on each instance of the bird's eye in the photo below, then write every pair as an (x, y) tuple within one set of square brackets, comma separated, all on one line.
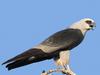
[(88, 22)]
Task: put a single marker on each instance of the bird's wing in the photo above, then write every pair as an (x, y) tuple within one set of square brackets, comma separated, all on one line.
[(28, 57), (62, 40)]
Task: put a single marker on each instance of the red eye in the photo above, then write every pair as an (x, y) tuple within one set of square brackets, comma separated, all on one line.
[(88, 22)]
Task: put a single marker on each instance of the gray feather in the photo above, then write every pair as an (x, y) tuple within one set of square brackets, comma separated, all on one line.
[(62, 40)]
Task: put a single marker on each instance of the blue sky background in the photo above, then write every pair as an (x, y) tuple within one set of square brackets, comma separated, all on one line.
[(25, 23)]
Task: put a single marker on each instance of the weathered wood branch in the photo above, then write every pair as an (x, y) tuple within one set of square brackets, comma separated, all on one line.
[(66, 72)]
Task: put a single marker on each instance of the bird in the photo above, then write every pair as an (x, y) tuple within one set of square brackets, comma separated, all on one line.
[(57, 46)]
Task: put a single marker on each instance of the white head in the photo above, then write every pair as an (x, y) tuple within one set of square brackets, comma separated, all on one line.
[(84, 25)]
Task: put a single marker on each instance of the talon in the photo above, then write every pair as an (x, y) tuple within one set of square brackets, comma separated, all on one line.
[(71, 73)]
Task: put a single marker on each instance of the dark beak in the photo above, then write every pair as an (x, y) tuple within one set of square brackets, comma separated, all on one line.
[(93, 25)]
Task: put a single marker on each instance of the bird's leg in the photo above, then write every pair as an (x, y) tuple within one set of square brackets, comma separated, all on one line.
[(63, 66)]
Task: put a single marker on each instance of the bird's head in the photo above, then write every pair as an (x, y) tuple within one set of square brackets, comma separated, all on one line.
[(84, 24), (88, 23)]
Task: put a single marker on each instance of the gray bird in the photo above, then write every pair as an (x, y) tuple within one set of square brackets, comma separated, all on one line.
[(57, 46)]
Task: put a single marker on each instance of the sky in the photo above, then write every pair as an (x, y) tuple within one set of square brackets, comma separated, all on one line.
[(25, 23)]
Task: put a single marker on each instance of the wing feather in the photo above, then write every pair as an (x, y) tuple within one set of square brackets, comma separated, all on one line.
[(62, 40)]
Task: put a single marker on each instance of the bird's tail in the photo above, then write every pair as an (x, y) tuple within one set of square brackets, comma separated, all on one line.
[(28, 57), (18, 63)]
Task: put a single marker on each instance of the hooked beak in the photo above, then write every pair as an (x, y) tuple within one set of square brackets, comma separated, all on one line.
[(92, 26)]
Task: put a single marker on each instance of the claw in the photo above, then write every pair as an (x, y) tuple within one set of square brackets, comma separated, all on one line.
[(70, 72)]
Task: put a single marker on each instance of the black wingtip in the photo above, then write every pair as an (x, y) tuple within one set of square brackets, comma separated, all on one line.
[(7, 61), (4, 62), (9, 69)]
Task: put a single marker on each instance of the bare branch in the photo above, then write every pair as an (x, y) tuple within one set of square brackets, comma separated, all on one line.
[(66, 72)]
